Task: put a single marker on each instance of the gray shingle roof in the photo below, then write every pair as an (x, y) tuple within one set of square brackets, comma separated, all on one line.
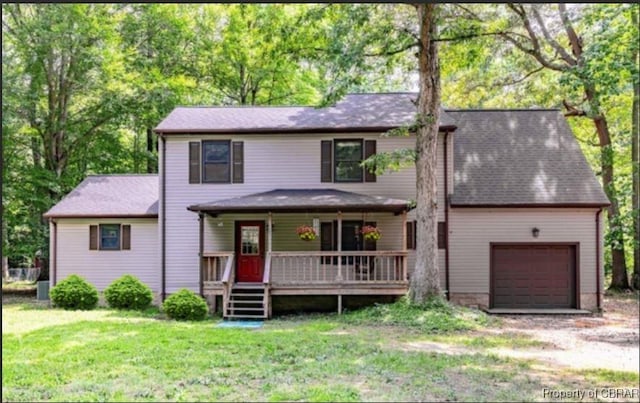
[(303, 200), (110, 196), (354, 112), (520, 157)]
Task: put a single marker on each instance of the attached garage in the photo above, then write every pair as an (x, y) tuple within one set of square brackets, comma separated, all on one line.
[(525, 276)]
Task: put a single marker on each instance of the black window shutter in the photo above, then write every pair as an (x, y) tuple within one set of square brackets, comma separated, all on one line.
[(369, 150), (370, 245), (326, 160), (238, 161), (194, 162), (411, 234), (442, 235), (93, 237), (126, 237)]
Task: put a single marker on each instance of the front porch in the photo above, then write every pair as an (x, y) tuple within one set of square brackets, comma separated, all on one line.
[(256, 266), (309, 273)]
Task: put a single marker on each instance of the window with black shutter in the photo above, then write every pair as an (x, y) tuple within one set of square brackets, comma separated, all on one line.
[(110, 237)]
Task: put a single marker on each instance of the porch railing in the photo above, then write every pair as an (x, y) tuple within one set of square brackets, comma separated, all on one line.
[(370, 267), (228, 278), (214, 266)]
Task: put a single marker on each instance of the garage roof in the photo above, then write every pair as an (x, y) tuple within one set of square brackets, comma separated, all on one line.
[(520, 158)]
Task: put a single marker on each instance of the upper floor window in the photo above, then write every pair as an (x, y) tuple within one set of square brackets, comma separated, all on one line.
[(216, 161), (348, 157), (341, 159)]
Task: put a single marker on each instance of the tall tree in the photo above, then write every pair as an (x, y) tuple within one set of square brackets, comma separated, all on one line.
[(425, 282), (62, 60), (635, 156), (156, 40)]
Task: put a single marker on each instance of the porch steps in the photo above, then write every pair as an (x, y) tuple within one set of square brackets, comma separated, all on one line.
[(246, 301)]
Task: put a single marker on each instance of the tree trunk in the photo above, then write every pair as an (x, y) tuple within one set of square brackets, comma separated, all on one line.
[(619, 277), (151, 166), (425, 281), (635, 160)]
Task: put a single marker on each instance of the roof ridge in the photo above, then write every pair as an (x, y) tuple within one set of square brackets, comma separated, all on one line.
[(243, 106), (502, 110), (384, 93), (123, 174)]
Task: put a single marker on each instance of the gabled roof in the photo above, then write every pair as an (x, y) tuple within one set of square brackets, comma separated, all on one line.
[(520, 158), (110, 196), (290, 200), (356, 112)]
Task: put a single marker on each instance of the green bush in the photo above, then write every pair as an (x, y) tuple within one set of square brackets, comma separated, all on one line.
[(128, 292), (74, 292), (185, 305)]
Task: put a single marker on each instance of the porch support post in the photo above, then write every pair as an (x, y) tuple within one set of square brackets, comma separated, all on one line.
[(339, 304), (404, 245), (201, 252), (339, 247), (269, 232)]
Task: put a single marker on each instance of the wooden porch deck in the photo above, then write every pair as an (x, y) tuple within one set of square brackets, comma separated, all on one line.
[(305, 274)]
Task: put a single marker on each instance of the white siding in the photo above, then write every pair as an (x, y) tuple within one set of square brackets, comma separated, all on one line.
[(472, 230), (101, 267), (270, 162)]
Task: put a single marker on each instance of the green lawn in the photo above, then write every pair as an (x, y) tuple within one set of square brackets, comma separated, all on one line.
[(50, 354)]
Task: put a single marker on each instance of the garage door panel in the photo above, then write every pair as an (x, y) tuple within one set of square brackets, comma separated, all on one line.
[(533, 276)]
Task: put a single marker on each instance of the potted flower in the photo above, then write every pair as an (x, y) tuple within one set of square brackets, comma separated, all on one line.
[(306, 233), (370, 233)]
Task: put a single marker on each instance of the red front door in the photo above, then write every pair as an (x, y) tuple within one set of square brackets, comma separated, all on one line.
[(249, 251)]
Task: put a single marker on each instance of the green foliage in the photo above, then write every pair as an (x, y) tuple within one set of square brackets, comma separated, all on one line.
[(74, 292), (128, 292), (435, 316), (185, 305)]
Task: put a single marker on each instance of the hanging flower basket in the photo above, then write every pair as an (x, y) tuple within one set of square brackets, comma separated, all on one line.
[(371, 233), (306, 233)]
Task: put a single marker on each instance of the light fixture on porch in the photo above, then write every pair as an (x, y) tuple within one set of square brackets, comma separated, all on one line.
[(316, 224), (535, 231)]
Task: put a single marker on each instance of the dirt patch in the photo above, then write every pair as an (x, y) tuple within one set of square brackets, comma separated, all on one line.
[(608, 341)]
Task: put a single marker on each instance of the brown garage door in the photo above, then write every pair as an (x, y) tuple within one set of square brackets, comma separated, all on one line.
[(533, 276)]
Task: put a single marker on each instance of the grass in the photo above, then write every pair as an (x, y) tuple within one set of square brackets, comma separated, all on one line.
[(51, 354), (436, 316)]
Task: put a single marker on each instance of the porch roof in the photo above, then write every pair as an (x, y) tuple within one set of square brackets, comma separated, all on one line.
[(303, 200)]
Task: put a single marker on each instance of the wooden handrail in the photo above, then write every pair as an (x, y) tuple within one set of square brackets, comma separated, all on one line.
[(266, 277), (228, 269), (341, 253)]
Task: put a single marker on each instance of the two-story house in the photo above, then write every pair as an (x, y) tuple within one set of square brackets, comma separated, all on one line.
[(518, 209)]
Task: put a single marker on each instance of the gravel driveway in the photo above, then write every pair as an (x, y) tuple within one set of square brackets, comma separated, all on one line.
[(610, 341)]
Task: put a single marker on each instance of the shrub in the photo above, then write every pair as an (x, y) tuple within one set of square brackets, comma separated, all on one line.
[(74, 292), (185, 305), (128, 292)]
